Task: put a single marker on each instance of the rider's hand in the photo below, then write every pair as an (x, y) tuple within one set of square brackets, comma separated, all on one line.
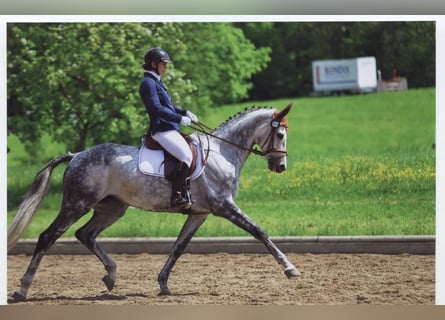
[(192, 116), (185, 121)]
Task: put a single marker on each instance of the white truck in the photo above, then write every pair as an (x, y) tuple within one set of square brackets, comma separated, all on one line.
[(344, 76)]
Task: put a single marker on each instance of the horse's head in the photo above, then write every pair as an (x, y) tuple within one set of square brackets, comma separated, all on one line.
[(274, 146)]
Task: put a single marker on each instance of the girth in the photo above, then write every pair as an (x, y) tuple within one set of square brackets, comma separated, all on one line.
[(171, 163)]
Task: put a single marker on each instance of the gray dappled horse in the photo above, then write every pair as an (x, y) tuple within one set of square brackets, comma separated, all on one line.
[(106, 178)]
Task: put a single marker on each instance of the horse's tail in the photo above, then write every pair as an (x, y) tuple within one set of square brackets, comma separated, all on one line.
[(33, 199)]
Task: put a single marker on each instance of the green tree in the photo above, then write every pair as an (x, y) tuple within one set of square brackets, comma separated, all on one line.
[(79, 81), (408, 46), (220, 61)]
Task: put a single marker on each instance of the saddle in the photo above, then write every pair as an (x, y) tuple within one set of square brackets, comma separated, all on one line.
[(170, 162)]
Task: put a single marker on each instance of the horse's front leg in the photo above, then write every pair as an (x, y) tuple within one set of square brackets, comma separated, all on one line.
[(192, 224), (232, 212)]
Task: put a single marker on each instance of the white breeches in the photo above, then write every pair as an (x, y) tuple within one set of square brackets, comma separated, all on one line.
[(175, 144)]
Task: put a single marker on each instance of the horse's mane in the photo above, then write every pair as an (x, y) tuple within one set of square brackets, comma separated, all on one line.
[(238, 115)]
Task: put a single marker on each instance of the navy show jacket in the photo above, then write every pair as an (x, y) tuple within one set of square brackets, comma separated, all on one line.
[(164, 115)]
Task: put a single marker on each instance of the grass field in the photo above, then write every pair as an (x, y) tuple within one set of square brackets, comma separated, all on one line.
[(357, 165)]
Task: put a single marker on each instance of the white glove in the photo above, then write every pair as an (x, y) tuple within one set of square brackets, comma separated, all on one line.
[(192, 116), (185, 121)]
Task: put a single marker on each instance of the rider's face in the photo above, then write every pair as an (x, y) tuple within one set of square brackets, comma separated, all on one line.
[(162, 67)]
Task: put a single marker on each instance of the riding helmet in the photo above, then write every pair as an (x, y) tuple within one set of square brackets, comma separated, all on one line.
[(155, 55)]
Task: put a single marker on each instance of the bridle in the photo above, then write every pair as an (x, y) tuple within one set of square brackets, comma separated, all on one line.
[(275, 125), (278, 120)]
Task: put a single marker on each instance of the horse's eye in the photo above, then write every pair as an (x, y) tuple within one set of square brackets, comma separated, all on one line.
[(280, 135)]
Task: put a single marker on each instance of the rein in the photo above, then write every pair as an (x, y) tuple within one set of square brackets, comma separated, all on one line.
[(275, 124), (200, 127)]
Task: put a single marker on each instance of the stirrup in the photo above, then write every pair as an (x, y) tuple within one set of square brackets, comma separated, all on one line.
[(181, 201)]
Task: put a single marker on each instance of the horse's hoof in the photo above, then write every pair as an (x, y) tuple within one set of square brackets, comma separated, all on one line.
[(18, 297), (292, 273), (165, 292), (109, 282)]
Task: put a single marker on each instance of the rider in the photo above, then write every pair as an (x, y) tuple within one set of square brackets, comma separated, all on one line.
[(165, 119)]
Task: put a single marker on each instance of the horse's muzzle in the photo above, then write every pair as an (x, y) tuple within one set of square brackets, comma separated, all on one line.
[(278, 164)]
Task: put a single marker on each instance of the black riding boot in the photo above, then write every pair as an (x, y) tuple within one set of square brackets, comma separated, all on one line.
[(181, 197)]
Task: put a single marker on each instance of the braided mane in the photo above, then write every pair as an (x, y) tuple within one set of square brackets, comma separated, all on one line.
[(240, 114)]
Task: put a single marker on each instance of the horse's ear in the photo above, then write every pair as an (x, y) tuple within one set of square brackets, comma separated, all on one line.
[(284, 112)]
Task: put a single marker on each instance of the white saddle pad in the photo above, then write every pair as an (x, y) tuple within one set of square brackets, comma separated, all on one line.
[(151, 162)]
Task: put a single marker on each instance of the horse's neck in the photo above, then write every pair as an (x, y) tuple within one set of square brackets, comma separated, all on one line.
[(244, 130)]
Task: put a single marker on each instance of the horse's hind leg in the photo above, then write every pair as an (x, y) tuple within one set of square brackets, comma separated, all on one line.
[(192, 224), (66, 217), (105, 214)]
